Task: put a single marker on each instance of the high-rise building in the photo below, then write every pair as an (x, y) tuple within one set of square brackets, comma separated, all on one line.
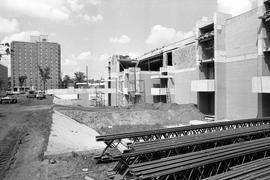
[(26, 57), (3, 78)]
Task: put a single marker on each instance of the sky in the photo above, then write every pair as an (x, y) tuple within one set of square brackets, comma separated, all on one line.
[(90, 31)]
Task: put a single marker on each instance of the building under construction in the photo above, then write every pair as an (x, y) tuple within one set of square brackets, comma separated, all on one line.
[(223, 68)]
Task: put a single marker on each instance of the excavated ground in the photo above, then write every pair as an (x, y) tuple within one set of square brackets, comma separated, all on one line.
[(25, 128)]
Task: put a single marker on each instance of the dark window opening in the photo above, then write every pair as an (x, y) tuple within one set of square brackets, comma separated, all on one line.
[(207, 29), (265, 105), (208, 70), (163, 83), (158, 99), (267, 5), (153, 64), (206, 42), (207, 48), (207, 102), (169, 58), (109, 99)]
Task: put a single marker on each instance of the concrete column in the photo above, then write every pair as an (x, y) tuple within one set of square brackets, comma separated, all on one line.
[(220, 65)]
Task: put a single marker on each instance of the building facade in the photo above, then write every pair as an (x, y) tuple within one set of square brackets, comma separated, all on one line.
[(3, 78), (224, 69), (26, 57)]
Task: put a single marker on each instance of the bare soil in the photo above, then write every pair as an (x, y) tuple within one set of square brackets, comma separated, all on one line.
[(134, 118), (34, 121), (34, 118)]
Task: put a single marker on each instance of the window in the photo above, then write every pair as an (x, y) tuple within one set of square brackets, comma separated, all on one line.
[(169, 59)]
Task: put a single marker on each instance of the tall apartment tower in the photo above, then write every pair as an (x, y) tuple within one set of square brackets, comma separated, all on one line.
[(27, 56)]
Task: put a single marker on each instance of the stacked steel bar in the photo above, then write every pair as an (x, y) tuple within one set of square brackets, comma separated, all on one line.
[(201, 164), (258, 169), (153, 150), (114, 140)]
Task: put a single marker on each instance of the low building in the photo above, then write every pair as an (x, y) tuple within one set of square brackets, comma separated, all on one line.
[(3, 78)]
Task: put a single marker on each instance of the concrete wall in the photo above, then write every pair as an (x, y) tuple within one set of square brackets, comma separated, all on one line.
[(242, 64), (148, 84), (184, 61), (241, 102), (183, 93), (220, 66)]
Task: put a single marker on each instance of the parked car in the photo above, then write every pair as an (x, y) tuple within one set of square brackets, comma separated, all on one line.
[(40, 95), (31, 94), (8, 99), (16, 92), (9, 92)]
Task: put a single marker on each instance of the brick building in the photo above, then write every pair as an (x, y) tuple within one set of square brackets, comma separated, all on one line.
[(3, 78), (27, 56)]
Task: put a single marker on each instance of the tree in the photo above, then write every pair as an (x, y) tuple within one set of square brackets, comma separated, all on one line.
[(79, 77), (66, 80), (45, 75), (7, 50), (22, 80)]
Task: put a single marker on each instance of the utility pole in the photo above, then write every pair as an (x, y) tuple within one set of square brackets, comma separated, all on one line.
[(86, 75), (135, 86)]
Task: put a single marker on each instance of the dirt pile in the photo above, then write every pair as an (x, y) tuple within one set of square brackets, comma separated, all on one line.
[(133, 118)]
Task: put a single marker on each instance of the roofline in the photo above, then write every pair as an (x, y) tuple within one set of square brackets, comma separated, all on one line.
[(159, 51)]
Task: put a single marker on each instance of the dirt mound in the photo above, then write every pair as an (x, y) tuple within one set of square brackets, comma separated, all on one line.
[(133, 118)]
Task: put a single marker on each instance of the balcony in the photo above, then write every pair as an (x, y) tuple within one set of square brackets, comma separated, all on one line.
[(206, 85), (169, 69), (161, 77), (211, 60), (161, 91), (261, 84)]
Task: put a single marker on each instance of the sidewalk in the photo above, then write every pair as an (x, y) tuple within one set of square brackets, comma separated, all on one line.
[(67, 135)]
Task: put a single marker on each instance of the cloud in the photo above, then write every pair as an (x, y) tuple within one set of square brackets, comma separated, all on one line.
[(104, 57), (94, 2), (84, 55), (133, 55), (54, 10), (48, 9), (8, 26), (160, 35), (69, 62), (21, 36), (75, 5), (234, 7), (124, 39), (96, 18), (96, 64)]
